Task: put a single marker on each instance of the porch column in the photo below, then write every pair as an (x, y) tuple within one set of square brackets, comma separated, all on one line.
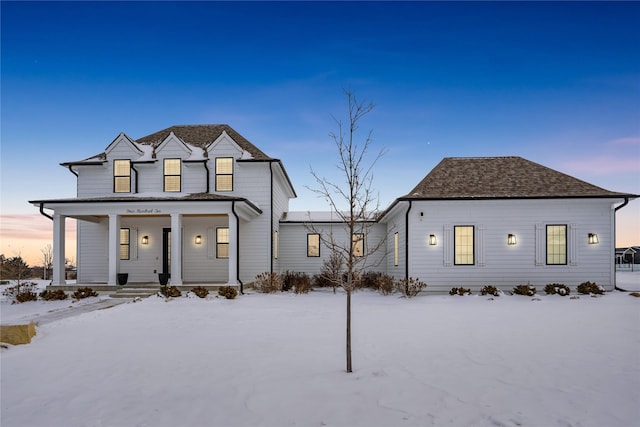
[(114, 249), (58, 250), (176, 249), (233, 250)]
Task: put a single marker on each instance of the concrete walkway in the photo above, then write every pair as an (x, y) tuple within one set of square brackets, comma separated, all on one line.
[(63, 313)]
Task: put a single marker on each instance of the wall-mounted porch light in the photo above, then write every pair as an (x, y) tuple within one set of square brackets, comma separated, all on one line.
[(511, 239), (432, 240), (198, 239), (145, 240), (593, 239)]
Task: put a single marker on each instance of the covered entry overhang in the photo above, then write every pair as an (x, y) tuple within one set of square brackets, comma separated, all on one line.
[(115, 210)]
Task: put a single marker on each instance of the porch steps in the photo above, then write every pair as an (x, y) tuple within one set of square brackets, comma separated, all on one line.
[(135, 291)]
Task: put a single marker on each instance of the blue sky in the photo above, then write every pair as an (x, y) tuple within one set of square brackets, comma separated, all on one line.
[(556, 83)]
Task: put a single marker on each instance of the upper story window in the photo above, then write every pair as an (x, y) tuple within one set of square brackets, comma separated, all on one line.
[(122, 176), (463, 245), (313, 245), (224, 173), (357, 240), (125, 243), (172, 175), (557, 244), (222, 242)]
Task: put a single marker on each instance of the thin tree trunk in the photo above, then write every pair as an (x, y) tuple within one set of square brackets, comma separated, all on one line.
[(349, 369)]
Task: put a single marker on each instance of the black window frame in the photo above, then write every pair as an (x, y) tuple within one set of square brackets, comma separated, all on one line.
[(222, 244), (355, 242), (566, 244), (309, 246), (165, 175), (115, 177), (217, 174), (127, 244), (473, 245)]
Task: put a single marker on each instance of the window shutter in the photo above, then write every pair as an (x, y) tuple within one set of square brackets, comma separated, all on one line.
[(133, 244), (571, 243), (211, 243), (480, 245), (447, 246), (541, 243)]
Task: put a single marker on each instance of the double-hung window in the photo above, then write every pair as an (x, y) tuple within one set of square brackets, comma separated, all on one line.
[(222, 242), (463, 245), (224, 173), (357, 242), (122, 176), (557, 244), (172, 175), (125, 243), (313, 245)]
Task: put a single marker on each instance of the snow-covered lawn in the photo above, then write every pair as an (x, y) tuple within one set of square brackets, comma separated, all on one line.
[(278, 360)]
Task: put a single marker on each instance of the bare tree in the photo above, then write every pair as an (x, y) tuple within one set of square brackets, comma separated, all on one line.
[(47, 259), (356, 167)]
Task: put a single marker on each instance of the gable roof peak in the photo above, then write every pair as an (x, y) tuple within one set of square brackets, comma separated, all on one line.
[(203, 135)]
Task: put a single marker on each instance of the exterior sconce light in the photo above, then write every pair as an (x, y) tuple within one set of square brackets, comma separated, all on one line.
[(145, 240), (198, 239), (432, 240), (511, 239), (593, 239)]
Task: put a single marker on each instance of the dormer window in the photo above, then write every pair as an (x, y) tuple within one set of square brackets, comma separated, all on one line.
[(122, 176), (224, 173), (172, 175)]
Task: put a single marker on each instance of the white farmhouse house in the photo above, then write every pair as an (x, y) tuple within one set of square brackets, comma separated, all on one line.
[(200, 204)]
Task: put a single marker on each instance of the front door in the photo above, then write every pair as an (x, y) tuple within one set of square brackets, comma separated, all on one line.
[(166, 251)]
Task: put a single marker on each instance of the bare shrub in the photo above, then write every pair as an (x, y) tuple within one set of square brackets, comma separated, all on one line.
[(460, 291), (410, 287), (557, 288), (81, 293), (490, 290), (527, 290), (299, 282), (53, 295), (22, 292), (170, 291), (200, 291), (228, 292), (590, 288), (268, 282), (386, 285)]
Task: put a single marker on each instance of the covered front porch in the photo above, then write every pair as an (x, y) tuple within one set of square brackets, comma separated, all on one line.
[(149, 242)]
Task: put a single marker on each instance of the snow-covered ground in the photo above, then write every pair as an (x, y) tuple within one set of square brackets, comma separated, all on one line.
[(278, 360)]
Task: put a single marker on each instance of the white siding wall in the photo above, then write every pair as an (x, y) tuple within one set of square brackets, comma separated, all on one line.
[(396, 224), (293, 246), (252, 180), (199, 262), (92, 250), (504, 265)]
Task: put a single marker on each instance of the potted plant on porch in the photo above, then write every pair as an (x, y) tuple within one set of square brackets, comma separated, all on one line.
[(122, 278), (163, 278)]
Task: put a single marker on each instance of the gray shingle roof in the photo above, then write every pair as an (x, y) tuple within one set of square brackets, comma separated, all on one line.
[(501, 178), (203, 135)]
